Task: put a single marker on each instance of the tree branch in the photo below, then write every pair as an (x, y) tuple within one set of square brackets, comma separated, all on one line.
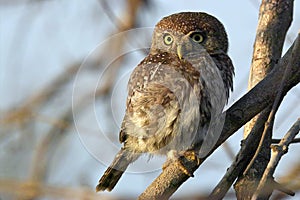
[(275, 17), (244, 156), (296, 140), (277, 152), (34, 190)]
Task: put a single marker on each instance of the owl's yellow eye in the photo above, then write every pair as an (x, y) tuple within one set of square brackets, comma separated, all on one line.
[(197, 37), (168, 39)]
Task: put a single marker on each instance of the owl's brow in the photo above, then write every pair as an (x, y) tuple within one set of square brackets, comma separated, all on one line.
[(195, 31), (170, 31)]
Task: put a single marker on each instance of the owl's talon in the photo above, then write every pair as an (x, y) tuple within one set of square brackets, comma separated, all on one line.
[(184, 169), (192, 156), (188, 156), (181, 159)]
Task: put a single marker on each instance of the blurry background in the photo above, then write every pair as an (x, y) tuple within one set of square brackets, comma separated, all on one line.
[(69, 61)]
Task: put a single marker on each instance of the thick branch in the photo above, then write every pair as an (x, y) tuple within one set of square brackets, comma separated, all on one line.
[(262, 95), (275, 17), (296, 140)]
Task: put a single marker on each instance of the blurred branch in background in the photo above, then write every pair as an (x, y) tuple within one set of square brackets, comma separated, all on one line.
[(28, 112), (30, 190), (291, 180)]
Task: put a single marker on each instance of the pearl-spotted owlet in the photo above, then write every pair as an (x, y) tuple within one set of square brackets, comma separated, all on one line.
[(176, 93)]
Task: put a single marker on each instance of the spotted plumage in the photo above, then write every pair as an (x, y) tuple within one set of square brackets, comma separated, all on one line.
[(176, 92)]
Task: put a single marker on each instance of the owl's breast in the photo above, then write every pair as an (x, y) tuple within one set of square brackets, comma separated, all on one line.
[(164, 105)]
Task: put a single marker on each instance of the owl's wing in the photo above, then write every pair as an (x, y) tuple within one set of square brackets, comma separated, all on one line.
[(152, 108), (216, 81), (150, 118)]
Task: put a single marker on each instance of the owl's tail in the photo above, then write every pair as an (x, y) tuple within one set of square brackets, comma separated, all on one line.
[(114, 172)]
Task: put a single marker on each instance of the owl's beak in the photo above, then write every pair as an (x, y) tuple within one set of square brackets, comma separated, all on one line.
[(179, 51)]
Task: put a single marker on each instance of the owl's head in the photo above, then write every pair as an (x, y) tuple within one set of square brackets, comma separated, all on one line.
[(188, 32)]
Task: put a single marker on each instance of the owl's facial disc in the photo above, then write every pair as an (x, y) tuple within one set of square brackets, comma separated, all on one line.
[(177, 42)]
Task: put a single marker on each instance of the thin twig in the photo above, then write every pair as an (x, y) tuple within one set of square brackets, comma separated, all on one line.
[(294, 141), (277, 152), (228, 150), (131, 10), (110, 14), (130, 18), (275, 185), (291, 180)]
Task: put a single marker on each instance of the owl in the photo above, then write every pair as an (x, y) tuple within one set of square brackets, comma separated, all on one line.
[(176, 92)]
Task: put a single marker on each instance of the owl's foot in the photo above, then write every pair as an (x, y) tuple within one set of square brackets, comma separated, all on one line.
[(188, 156), (182, 159)]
